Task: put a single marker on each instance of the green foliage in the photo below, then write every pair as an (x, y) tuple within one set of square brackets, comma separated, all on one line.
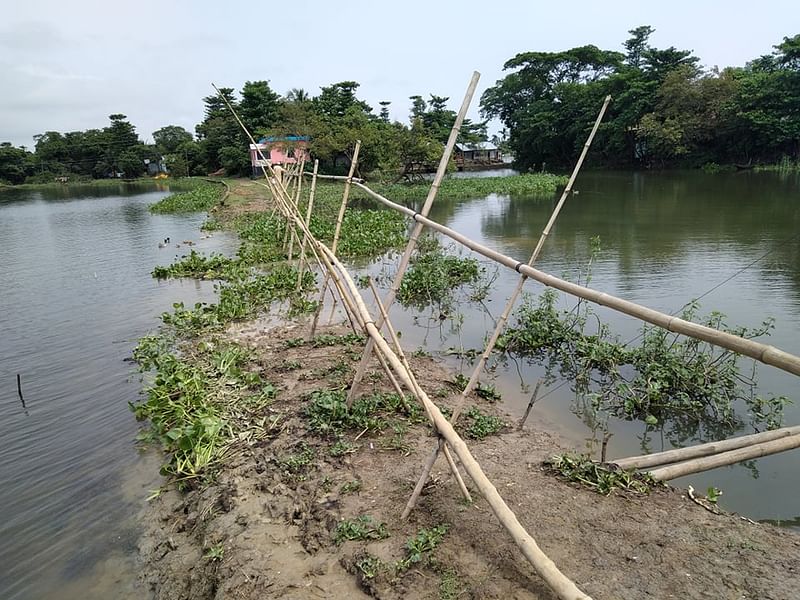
[(666, 110), (198, 266), (361, 528), (328, 414), (525, 185), (478, 425), (603, 479), (421, 546), (351, 487), (684, 385), (193, 399), (433, 275), (215, 553), (199, 199)]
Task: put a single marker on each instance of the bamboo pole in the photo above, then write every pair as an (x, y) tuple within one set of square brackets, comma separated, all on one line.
[(416, 390), (681, 454), (307, 222), (731, 457), (335, 243), (769, 355), (296, 202), (501, 322), (412, 242)]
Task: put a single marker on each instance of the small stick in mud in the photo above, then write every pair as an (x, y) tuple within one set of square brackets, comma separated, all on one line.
[(530, 405)]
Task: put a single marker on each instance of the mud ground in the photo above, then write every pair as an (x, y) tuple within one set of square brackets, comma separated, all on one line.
[(263, 531)]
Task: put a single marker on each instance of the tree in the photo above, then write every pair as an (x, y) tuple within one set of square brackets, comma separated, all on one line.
[(222, 141), (15, 163), (259, 106), (169, 138)]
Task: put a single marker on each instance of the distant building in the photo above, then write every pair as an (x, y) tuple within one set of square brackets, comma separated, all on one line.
[(482, 152), (279, 151), (155, 167)]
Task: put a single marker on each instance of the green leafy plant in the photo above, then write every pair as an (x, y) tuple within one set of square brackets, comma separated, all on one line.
[(360, 528), (421, 546), (601, 478), (478, 425)]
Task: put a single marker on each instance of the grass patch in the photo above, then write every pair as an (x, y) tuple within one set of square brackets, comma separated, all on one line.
[(201, 198), (601, 478)]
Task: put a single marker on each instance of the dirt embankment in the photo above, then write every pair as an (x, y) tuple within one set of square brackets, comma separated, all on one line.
[(267, 527), (311, 509)]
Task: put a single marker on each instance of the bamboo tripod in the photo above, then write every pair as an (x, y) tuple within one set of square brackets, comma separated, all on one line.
[(564, 588)]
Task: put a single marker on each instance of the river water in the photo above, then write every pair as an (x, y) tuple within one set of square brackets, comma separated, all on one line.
[(77, 293)]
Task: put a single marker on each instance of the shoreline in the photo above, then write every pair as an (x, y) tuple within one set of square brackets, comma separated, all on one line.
[(268, 525)]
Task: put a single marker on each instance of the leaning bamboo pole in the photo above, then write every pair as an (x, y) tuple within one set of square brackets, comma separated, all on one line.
[(769, 355), (501, 322), (412, 241), (680, 454), (335, 243), (731, 457), (307, 222), (296, 201)]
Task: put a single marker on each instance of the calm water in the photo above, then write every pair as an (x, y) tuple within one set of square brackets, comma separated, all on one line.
[(666, 238), (76, 294)]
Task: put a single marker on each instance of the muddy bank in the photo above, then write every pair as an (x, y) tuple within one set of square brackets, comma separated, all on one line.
[(268, 526)]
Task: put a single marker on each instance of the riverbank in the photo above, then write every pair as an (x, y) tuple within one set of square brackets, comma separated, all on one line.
[(309, 507)]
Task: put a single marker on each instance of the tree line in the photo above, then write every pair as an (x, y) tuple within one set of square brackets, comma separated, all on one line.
[(333, 120), (667, 110)]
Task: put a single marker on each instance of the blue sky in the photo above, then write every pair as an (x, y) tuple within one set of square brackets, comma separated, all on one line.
[(67, 65)]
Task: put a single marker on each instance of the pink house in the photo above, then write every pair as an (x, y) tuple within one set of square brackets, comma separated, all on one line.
[(279, 151)]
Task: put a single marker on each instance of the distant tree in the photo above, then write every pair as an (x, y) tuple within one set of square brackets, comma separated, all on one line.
[(15, 163), (222, 141), (259, 106), (384, 114), (170, 137)]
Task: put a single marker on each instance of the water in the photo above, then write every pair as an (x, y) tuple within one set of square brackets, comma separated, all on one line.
[(76, 295), (667, 238)]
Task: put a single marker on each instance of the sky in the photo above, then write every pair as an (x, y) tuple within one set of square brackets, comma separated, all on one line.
[(67, 65)]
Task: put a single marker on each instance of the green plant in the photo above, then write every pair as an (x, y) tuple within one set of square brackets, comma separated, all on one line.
[(328, 414), (369, 566), (421, 546), (201, 198), (351, 487), (713, 494), (480, 425), (601, 478), (215, 553), (432, 276), (360, 528)]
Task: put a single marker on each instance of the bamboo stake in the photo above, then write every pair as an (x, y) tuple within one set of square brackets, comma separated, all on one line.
[(681, 454), (417, 390), (769, 355), (501, 322), (412, 242), (337, 231), (296, 202), (307, 222), (530, 405), (707, 463)]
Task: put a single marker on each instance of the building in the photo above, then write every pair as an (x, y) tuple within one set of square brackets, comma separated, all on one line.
[(279, 151), (482, 152)]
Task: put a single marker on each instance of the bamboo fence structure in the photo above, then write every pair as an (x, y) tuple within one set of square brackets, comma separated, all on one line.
[(501, 322), (563, 587)]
